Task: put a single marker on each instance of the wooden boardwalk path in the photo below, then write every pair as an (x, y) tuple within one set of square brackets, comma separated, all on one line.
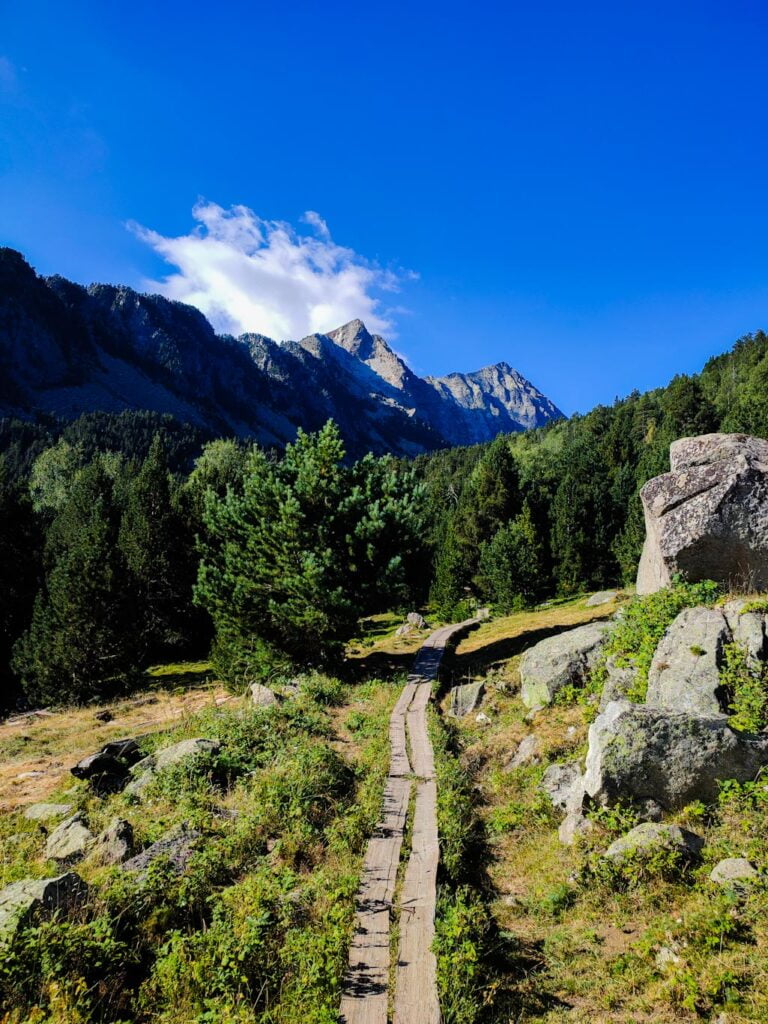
[(365, 997)]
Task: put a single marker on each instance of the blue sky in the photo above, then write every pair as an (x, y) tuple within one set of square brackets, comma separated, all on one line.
[(578, 189)]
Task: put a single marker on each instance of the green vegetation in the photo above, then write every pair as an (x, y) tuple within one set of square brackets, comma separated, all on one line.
[(257, 927), (746, 681)]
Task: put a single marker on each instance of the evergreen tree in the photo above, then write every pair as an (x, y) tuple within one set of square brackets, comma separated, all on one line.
[(81, 643), (159, 555), (19, 558), (511, 564), (310, 545)]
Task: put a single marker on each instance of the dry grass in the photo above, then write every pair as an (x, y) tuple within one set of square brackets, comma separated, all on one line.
[(37, 751)]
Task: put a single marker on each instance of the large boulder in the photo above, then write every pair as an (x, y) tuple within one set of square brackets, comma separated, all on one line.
[(146, 770), (685, 671), (175, 850), (645, 754), (21, 901), (559, 781), (465, 698), (115, 844), (734, 871), (558, 661), (708, 517)]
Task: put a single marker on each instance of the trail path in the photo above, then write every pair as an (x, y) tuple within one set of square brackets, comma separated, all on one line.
[(366, 989)]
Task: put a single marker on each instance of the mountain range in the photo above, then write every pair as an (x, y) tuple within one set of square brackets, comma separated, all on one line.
[(66, 349)]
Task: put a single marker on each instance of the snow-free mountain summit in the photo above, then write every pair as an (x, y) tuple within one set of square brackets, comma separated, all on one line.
[(66, 349)]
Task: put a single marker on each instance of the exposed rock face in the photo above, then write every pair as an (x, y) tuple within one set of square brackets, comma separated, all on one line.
[(734, 871), (66, 349), (642, 753), (708, 517), (648, 837), (559, 661), (21, 901), (70, 840), (685, 672)]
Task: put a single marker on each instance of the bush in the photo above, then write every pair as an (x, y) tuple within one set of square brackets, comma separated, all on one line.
[(746, 682)]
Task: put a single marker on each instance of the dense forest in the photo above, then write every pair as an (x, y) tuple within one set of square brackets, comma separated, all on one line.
[(128, 539)]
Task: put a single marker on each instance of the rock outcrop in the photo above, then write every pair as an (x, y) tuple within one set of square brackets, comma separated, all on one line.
[(70, 840), (648, 837), (639, 753), (561, 660), (708, 517), (107, 771), (145, 771)]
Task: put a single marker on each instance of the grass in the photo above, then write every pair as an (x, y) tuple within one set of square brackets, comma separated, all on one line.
[(257, 928), (651, 945)]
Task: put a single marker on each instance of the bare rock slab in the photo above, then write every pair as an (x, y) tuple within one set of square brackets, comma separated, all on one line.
[(708, 517), (70, 840), (644, 754), (561, 660), (21, 901), (646, 838), (685, 672), (47, 812), (601, 597)]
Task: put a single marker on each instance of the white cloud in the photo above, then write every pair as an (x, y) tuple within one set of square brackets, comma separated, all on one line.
[(249, 274)]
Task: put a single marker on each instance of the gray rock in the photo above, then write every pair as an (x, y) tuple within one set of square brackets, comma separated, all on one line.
[(21, 901), (685, 671), (573, 825), (115, 844), (640, 753), (404, 630), (176, 848), (482, 719), (526, 753), (107, 770), (69, 840), (666, 957), (618, 683), (559, 781), (708, 517), (147, 769), (263, 697), (46, 812), (558, 661), (466, 698), (416, 620), (734, 871), (650, 836), (601, 597), (748, 629)]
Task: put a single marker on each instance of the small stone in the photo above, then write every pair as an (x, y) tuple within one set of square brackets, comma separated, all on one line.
[(666, 957), (115, 844), (649, 836), (601, 597), (47, 812), (466, 698), (526, 753), (404, 630), (263, 697), (414, 619), (734, 871), (69, 840), (559, 781), (104, 716), (574, 825), (571, 731), (482, 719)]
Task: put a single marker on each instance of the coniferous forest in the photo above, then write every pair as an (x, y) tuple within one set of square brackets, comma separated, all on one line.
[(132, 538)]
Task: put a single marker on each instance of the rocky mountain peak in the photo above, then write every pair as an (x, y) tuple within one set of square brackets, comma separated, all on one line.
[(355, 338)]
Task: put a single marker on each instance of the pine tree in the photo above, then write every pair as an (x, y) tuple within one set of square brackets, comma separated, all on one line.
[(159, 554), (511, 564), (81, 642), (310, 545)]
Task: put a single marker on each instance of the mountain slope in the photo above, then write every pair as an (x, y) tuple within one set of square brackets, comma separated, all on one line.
[(66, 349)]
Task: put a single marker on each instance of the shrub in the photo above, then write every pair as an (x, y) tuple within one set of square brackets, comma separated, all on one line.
[(747, 684)]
